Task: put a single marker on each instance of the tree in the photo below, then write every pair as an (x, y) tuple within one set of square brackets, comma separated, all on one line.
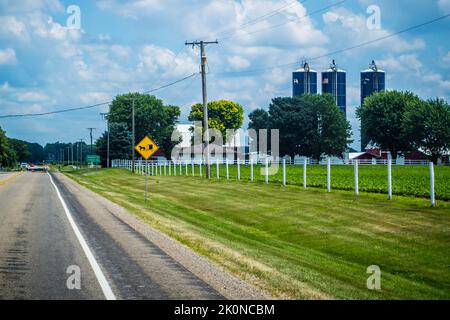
[(153, 118), (382, 117), (259, 119), (119, 140), (19, 150), (4, 149), (36, 153), (310, 125), (427, 124), (222, 115)]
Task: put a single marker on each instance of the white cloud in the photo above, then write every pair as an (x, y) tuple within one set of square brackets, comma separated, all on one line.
[(13, 28), (95, 97), (133, 9), (104, 37), (27, 6), (165, 62), (8, 56), (403, 63), (444, 5), (352, 29), (238, 63), (446, 60), (31, 96)]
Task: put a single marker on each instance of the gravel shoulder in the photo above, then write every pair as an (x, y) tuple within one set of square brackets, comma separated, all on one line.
[(227, 285)]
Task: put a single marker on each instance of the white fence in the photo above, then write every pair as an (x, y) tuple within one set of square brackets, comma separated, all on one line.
[(188, 168)]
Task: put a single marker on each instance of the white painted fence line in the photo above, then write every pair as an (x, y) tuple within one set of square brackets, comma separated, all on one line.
[(159, 168)]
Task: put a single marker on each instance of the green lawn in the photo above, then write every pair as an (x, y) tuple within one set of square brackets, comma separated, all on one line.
[(296, 244), (407, 180)]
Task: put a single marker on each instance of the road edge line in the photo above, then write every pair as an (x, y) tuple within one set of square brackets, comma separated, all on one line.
[(7, 180), (107, 291)]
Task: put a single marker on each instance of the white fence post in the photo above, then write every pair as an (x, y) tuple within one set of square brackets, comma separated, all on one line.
[(251, 170), (238, 170), (217, 169), (228, 170), (390, 178), (174, 168), (432, 194), (186, 167), (356, 178), (201, 173), (267, 171), (329, 175), (193, 168), (284, 172), (181, 169), (169, 165), (305, 166)]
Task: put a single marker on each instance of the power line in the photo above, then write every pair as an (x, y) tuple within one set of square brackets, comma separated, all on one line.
[(290, 64), (285, 22), (94, 105)]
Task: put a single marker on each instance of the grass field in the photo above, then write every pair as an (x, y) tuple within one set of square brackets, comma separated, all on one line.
[(296, 244), (407, 180)]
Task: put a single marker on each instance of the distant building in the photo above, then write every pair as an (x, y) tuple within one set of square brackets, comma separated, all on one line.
[(372, 81), (334, 82), (238, 144), (304, 81)]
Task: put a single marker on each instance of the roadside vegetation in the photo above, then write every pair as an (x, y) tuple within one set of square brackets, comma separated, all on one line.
[(292, 243)]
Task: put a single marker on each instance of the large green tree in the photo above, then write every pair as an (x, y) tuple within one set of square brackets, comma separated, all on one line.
[(222, 115), (153, 118), (19, 148), (310, 125), (119, 141), (36, 153), (4, 149), (427, 124), (382, 117)]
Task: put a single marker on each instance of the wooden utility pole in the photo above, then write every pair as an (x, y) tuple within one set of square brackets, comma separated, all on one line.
[(106, 117), (202, 45), (90, 133), (133, 124)]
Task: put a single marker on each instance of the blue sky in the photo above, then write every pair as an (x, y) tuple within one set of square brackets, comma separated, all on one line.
[(137, 45)]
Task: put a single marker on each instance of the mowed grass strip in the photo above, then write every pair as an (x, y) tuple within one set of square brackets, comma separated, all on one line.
[(292, 243), (407, 180)]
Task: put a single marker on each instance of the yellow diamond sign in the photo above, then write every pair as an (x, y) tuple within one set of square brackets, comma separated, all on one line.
[(146, 148)]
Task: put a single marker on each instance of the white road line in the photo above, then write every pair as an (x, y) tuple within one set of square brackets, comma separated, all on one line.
[(109, 295)]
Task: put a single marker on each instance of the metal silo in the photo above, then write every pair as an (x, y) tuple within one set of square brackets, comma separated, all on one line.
[(372, 80), (304, 81), (334, 82)]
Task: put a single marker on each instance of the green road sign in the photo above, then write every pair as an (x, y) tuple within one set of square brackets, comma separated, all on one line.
[(93, 159)]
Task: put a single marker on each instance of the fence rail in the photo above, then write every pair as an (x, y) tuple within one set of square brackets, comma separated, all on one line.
[(269, 168)]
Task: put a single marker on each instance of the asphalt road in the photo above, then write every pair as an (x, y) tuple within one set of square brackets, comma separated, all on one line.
[(45, 238)]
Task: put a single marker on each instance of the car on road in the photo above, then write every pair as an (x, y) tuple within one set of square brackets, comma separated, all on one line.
[(24, 166), (34, 168)]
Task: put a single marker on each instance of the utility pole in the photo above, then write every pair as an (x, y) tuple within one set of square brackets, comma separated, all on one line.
[(106, 116), (90, 132), (81, 151), (202, 45), (133, 124)]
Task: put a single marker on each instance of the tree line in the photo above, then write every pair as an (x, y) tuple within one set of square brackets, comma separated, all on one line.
[(155, 119), (310, 125), (14, 151), (401, 122)]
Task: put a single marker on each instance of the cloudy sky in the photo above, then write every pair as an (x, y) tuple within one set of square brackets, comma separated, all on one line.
[(138, 45)]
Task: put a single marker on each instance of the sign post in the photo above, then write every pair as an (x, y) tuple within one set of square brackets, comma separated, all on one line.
[(146, 148)]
